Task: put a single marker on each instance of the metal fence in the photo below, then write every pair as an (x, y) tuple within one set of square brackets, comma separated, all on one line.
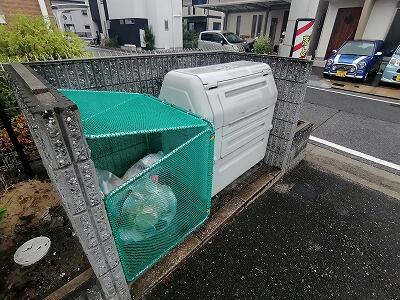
[(17, 148)]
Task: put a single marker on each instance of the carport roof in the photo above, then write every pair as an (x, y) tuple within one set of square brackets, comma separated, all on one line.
[(246, 5)]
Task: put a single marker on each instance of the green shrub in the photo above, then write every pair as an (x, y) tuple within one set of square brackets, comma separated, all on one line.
[(31, 38), (148, 38), (262, 45), (111, 42), (190, 39)]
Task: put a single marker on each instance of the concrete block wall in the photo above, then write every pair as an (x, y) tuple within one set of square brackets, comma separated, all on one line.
[(144, 73), (56, 129)]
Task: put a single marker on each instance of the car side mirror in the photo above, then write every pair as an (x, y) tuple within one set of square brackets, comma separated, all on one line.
[(334, 51), (379, 53)]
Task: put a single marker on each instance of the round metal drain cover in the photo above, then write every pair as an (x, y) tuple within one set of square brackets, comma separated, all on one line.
[(32, 251)]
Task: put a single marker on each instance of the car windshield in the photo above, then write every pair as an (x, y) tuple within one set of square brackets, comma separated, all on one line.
[(232, 38), (357, 48)]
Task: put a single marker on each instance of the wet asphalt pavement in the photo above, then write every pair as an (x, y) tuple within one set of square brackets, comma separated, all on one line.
[(313, 236)]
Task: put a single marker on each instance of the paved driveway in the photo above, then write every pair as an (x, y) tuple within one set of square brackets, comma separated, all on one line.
[(314, 236)]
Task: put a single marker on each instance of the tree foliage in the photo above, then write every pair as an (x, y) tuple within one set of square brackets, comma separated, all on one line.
[(262, 45), (32, 38)]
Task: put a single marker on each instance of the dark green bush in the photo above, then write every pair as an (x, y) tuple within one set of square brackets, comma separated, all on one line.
[(111, 42), (262, 45), (149, 38), (190, 39)]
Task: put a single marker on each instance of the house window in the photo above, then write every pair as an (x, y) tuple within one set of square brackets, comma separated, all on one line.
[(189, 10), (121, 22), (87, 26), (216, 26), (259, 24), (84, 12), (166, 25), (238, 21), (253, 26), (194, 10), (272, 29)]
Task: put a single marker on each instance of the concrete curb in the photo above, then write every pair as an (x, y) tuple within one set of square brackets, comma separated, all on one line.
[(354, 170)]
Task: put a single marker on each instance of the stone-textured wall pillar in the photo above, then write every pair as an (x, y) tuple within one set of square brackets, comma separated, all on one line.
[(56, 128)]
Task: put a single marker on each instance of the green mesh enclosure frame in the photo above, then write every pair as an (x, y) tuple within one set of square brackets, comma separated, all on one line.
[(122, 128)]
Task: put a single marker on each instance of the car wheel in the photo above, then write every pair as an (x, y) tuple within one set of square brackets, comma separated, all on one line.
[(326, 76)]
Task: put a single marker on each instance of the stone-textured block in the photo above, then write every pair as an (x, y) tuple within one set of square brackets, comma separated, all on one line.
[(111, 253), (101, 222), (120, 283), (85, 229), (274, 159), (282, 129), (278, 144), (90, 181), (287, 111), (56, 143), (73, 128), (97, 261), (288, 91), (67, 184), (107, 285)]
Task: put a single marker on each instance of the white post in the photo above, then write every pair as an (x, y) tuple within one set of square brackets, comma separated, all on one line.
[(43, 10), (103, 20)]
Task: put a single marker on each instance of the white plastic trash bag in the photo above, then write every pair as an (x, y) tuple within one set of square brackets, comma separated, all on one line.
[(142, 165), (108, 181)]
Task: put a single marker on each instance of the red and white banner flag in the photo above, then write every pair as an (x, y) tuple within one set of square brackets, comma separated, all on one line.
[(301, 39)]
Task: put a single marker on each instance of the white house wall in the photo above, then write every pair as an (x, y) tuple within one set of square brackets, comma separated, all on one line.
[(380, 20), (125, 9), (160, 11), (245, 23), (330, 21)]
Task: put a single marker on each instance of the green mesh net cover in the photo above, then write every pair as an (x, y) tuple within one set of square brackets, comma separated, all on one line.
[(163, 203)]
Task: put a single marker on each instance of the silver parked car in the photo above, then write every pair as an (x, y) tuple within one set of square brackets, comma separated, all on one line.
[(219, 40)]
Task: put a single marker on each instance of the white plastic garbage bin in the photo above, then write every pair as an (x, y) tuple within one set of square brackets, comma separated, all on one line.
[(239, 98)]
